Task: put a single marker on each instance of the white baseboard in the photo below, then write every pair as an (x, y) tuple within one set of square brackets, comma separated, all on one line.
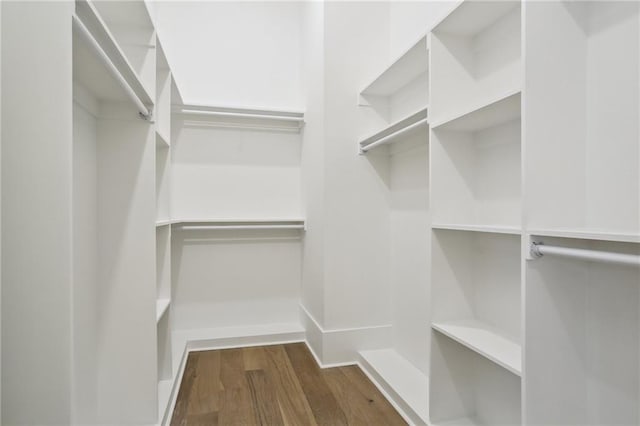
[(336, 347)]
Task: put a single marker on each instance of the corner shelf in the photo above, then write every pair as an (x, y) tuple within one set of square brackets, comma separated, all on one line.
[(485, 340), (162, 305), (392, 132), (406, 68), (494, 112)]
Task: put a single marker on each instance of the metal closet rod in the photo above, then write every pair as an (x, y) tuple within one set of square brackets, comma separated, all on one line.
[(241, 115), (237, 227), (539, 249), (392, 136), (77, 23)]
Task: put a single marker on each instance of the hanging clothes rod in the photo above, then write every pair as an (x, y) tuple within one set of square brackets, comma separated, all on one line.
[(389, 138), (298, 119), (82, 29), (237, 227), (539, 249)]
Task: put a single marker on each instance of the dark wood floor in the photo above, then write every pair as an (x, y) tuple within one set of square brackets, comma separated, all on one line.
[(276, 385)]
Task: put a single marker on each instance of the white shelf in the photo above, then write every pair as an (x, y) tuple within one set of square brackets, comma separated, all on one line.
[(493, 229), (399, 376), (90, 17), (162, 305), (500, 110), (241, 224), (163, 222), (587, 235), (406, 68), (485, 340), (472, 17), (393, 132)]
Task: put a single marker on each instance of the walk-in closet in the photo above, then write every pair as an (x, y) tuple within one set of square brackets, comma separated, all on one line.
[(320, 212)]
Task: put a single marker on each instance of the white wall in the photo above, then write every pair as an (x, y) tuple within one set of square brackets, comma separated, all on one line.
[(357, 291), (313, 160), (36, 215), (234, 53)]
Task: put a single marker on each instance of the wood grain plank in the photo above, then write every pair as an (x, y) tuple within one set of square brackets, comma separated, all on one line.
[(254, 358), (205, 395), (264, 399), (180, 410), (232, 369), (206, 419), (323, 403), (293, 404), (362, 405), (237, 408)]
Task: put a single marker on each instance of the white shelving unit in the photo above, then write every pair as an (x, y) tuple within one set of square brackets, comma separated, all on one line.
[(113, 205), (476, 201)]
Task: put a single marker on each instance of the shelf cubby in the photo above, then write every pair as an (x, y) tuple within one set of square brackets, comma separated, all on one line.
[(582, 165), (583, 337), (476, 170), (468, 389), (402, 89), (476, 278), (476, 57)]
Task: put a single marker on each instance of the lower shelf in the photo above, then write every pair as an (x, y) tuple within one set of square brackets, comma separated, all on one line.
[(403, 382), (484, 340)]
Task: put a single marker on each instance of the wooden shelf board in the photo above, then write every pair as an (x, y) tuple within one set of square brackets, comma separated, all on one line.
[(472, 17), (494, 229), (500, 110), (587, 234), (398, 374), (395, 127), (406, 68), (484, 340), (162, 305)]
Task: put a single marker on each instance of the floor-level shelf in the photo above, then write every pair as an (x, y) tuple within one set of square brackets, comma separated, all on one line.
[(485, 340), (399, 378)]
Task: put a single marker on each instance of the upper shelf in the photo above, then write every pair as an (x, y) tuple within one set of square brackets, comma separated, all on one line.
[(251, 118), (587, 234), (392, 132), (493, 113), (400, 72), (472, 17), (91, 34), (240, 224)]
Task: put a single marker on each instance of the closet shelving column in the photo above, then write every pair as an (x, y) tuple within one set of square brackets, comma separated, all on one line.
[(400, 96), (475, 157), (113, 206), (582, 177), (163, 228)]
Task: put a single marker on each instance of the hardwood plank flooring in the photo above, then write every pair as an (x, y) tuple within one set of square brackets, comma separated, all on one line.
[(279, 385)]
